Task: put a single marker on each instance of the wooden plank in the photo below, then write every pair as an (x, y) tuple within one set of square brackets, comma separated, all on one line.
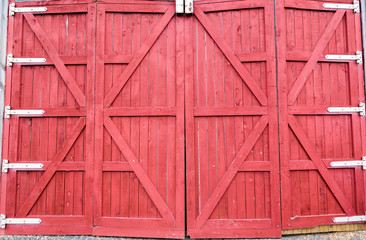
[(319, 48), (144, 129), (343, 201), (252, 57), (135, 122), (185, 36), (136, 8), (272, 180), (139, 171), (56, 161), (229, 5), (245, 75), (67, 60), (140, 54), (49, 48), (125, 59), (238, 224), (140, 111), (90, 90), (305, 56), (229, 111), (308, 5), (99, 128), (232, 170)]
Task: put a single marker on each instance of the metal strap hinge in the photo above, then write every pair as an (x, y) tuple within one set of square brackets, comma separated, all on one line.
[(360, 109), (357, 57), (5, 220), (355, 6), (22, 112), (350, 163), (10, 60), (360, 218), (7, 165), (184, 6), (13, 9)]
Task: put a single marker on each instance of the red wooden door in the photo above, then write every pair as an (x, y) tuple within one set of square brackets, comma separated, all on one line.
[(139, 134), (231, 121), (62, 138), (313, 192)]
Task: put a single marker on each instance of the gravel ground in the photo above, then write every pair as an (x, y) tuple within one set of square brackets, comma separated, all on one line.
[(323, 236)]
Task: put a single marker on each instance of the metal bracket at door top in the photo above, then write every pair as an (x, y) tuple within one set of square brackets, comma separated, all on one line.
[(10, 60), (184, 6), (23, 112), (13, 9), (355, 6), (360, 218), (350, 163), (7, 165), (357, 57), (5, 220), (360, 109)]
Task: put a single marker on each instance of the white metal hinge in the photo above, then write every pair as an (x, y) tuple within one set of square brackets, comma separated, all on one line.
[(361, 218), (179, 6), (188, 6), (357, 57), (7, 165), (9, 112), (350, 163), (13, 9), (5, 220), (10, 60), (355, 6), (184, 6), (360, 109)]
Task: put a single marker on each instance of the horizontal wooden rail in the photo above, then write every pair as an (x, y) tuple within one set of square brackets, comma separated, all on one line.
[(305, 56), (140, 111), (248, 166), (317, 110), (252, 57), (307, 5), (227, 6), (67, 60), (229, 111), (54, 112), (64, 166), (136, 8), (124, 59), (305, 165)]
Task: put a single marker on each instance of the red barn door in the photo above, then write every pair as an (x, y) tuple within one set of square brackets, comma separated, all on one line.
[(314, 192), (139, 134), (231, 121), (62, 138)]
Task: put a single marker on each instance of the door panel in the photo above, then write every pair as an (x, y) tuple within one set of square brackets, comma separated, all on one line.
[(231, 125), (314, 192), (58, 139), (139, 185)]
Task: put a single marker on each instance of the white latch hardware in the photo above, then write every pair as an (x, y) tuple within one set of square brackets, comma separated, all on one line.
[(5, 220), (7, 165), (350, 163), (357, 57), (360, 109), (188, 6), (13, 9), (184, 6), (11, 60), (9, 112), (179, 6), (355, 6), (361, 218)]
